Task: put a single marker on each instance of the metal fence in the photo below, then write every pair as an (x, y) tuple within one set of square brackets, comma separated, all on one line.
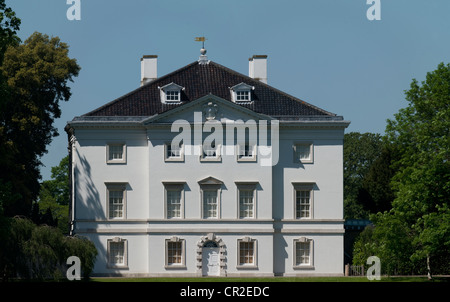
[(354, 270)]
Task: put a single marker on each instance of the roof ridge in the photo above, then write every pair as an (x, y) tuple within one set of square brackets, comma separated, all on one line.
[(114, 107)]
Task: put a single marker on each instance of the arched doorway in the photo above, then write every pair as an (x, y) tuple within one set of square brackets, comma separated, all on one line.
[(211, 260)]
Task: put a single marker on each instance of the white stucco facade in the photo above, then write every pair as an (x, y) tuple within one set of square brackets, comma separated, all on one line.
[(263, 233)]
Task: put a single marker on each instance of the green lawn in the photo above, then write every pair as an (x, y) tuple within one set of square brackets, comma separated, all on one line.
[(276, 279)]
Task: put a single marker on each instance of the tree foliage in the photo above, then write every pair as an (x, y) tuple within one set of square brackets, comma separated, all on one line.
[(375, 193), (40, 252), (360, 152), (54, 195), (421, 182), (9, 25), (35, 76)]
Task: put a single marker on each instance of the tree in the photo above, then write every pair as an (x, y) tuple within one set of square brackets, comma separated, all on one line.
[(33, 80), (41, 252), (375, 194), (421, 182), (9, 25), (389, 239), (36, 74), (54, 195), (360, 151)]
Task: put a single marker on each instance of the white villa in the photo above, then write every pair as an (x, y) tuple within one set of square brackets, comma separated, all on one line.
[(209, 172)]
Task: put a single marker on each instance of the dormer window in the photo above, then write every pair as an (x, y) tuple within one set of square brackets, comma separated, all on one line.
[(243, 96), (171, 93), (241, 93)]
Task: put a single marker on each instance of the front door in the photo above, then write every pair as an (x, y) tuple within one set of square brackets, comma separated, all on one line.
[(210, 261)]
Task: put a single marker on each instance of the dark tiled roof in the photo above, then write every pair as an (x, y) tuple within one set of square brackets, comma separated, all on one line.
[(200, 80)]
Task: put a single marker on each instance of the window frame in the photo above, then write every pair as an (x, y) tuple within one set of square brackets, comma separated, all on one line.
[(303, 186), (168, 89), (114, 265), (167, 158), (303, 240), (110, 160), (216, 158), (177, 240), (243, 95), (243, 158), (172, 96), (210, 188), (116, 186), (246, 186), (173, 186), (309, 144), (210, 184), (242, 88), (239, 264)]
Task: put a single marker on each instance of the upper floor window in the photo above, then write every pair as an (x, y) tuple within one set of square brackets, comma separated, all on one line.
[(246, 203), (116, 153), (241, 93), (171, 93), (246, 199), (116, 200), (211, 152), (210, 189), (174, 201), (246, 152), (303, 152), (210, 209), (303, 203), (173, 152)]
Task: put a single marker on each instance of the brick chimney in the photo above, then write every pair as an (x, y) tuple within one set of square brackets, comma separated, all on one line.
[(149, 67)]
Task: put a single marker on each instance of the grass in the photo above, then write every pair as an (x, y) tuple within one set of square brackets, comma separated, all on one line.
[(277, 279)]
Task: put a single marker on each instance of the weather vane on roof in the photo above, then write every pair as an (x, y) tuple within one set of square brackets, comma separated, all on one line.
[(203, 59), (201, 39)]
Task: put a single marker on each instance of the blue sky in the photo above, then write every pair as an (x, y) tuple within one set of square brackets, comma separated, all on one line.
[(325, 52)]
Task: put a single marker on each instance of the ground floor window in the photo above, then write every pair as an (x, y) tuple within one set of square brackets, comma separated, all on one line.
[(117, 252), (303, 252), (246, 252), (175, 252)]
